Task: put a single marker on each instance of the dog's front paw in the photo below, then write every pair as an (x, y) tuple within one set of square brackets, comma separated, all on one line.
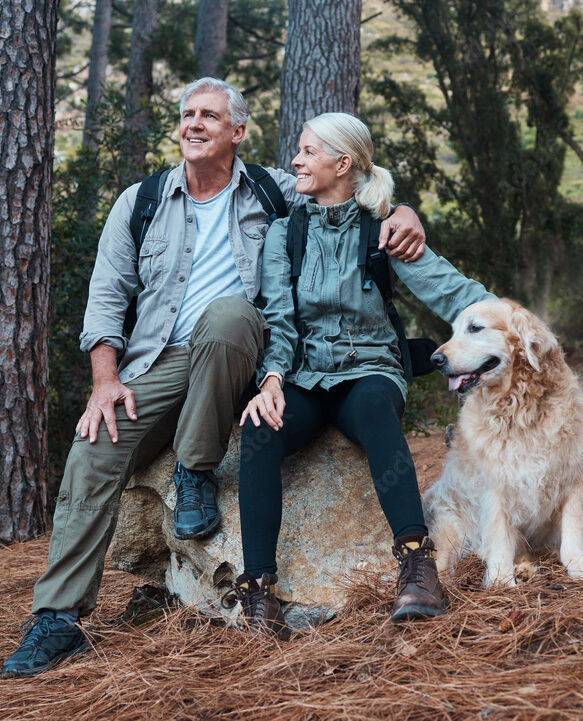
[(524, 571), (499, 577)]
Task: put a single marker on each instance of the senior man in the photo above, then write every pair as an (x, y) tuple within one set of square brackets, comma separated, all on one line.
[(183, 371)]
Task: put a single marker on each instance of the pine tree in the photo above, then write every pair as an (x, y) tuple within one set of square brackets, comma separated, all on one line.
[(321, 69), (27, 87)]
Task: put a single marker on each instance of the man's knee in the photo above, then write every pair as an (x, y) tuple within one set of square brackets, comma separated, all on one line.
[(94, 472), (231, 320)]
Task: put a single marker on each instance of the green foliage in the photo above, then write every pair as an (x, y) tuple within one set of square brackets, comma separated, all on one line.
[(429, 403), (254, 44), (174, 41), (408, 137), (550, 62), (505, 77), (566, 306), (120, 35), (261, 141), (72, 25), (255, 40)]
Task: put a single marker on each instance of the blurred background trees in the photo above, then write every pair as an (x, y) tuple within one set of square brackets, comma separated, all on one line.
[(475, 105), (503, 80)]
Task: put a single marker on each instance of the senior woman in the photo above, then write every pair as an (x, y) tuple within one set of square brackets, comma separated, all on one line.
[(339, 357)]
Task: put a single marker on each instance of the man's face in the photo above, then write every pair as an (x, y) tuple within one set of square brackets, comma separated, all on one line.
[(206, 133)]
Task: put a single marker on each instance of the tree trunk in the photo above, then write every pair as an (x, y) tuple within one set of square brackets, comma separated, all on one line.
[(97, 68), (27, 88), (321, 69), (211, 36), (139, 88)]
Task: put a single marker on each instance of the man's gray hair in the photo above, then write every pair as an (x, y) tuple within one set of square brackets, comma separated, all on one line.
[(237, 106)]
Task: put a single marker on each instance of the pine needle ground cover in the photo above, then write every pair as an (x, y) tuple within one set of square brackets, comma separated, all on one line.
[(504, 654)]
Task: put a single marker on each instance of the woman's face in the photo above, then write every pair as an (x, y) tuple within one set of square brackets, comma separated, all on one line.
[(319, 174)]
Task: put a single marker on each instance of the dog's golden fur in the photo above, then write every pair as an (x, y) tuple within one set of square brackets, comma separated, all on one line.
[(513, 478)]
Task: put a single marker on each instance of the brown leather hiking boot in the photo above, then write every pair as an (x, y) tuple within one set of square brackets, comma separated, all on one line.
[(419, 593), (261, 608)]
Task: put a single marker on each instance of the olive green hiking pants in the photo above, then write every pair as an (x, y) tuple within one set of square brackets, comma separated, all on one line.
[(192, 393)]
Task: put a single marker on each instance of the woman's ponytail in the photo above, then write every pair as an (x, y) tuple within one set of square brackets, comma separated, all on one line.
[(373, 189)]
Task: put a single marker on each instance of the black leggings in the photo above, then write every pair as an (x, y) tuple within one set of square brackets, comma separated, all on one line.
[(368, 412)]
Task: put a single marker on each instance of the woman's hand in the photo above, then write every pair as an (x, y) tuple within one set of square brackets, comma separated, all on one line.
[(269, 403)]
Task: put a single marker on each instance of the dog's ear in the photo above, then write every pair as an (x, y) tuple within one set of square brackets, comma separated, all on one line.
[(535, 338)]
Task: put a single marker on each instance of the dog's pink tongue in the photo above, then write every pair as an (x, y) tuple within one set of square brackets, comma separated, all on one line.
[(454, 382)]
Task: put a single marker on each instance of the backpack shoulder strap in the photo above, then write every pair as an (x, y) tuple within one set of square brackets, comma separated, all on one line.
[(377, 268), (296, 241), (147, 201), (267, 192), (373, 262)]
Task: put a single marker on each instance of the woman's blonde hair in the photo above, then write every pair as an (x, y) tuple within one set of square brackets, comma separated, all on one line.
[(344, 134)]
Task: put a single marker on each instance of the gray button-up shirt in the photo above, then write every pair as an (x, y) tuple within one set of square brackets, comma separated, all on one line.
[(165, 257)]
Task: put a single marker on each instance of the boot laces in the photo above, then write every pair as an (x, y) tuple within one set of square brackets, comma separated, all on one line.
[(247, 596), (412, 565)]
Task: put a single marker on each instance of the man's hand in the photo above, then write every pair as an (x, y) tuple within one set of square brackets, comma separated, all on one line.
[(408, 237), (107, 392), (100, 406), (269, 403)]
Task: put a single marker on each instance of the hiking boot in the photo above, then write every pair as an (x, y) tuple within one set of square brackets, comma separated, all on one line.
[(196, 513), (261, 608), (418, 591), (47, 641)]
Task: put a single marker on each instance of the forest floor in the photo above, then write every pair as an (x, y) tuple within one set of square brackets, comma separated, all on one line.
[(504, 654)]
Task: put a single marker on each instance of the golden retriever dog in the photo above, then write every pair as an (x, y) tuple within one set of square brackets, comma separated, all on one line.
[(513, 478)]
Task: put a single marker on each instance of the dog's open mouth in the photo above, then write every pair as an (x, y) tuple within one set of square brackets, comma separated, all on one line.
[(466, 381)]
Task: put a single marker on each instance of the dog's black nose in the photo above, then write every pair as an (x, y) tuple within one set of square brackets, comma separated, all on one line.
[(439, 359)]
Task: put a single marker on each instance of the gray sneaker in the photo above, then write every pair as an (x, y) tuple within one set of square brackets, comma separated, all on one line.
[(47, 641), (196, 512)]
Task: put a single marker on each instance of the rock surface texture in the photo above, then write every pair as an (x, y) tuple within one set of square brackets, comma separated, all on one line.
[(332, 524)]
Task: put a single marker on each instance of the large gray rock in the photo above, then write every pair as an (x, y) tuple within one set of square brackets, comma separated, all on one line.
[(332, 524)]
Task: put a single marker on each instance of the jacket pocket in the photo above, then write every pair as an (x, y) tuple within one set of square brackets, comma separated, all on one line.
[(309, 271), (152, 262)]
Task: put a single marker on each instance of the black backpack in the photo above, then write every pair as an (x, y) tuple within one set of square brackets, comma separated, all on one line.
[(149, 197), (375, 267)]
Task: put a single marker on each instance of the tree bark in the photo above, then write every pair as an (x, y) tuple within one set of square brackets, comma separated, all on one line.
[(97, 69), (211, 36), (139, 87), (27, 92), (321, 69)]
